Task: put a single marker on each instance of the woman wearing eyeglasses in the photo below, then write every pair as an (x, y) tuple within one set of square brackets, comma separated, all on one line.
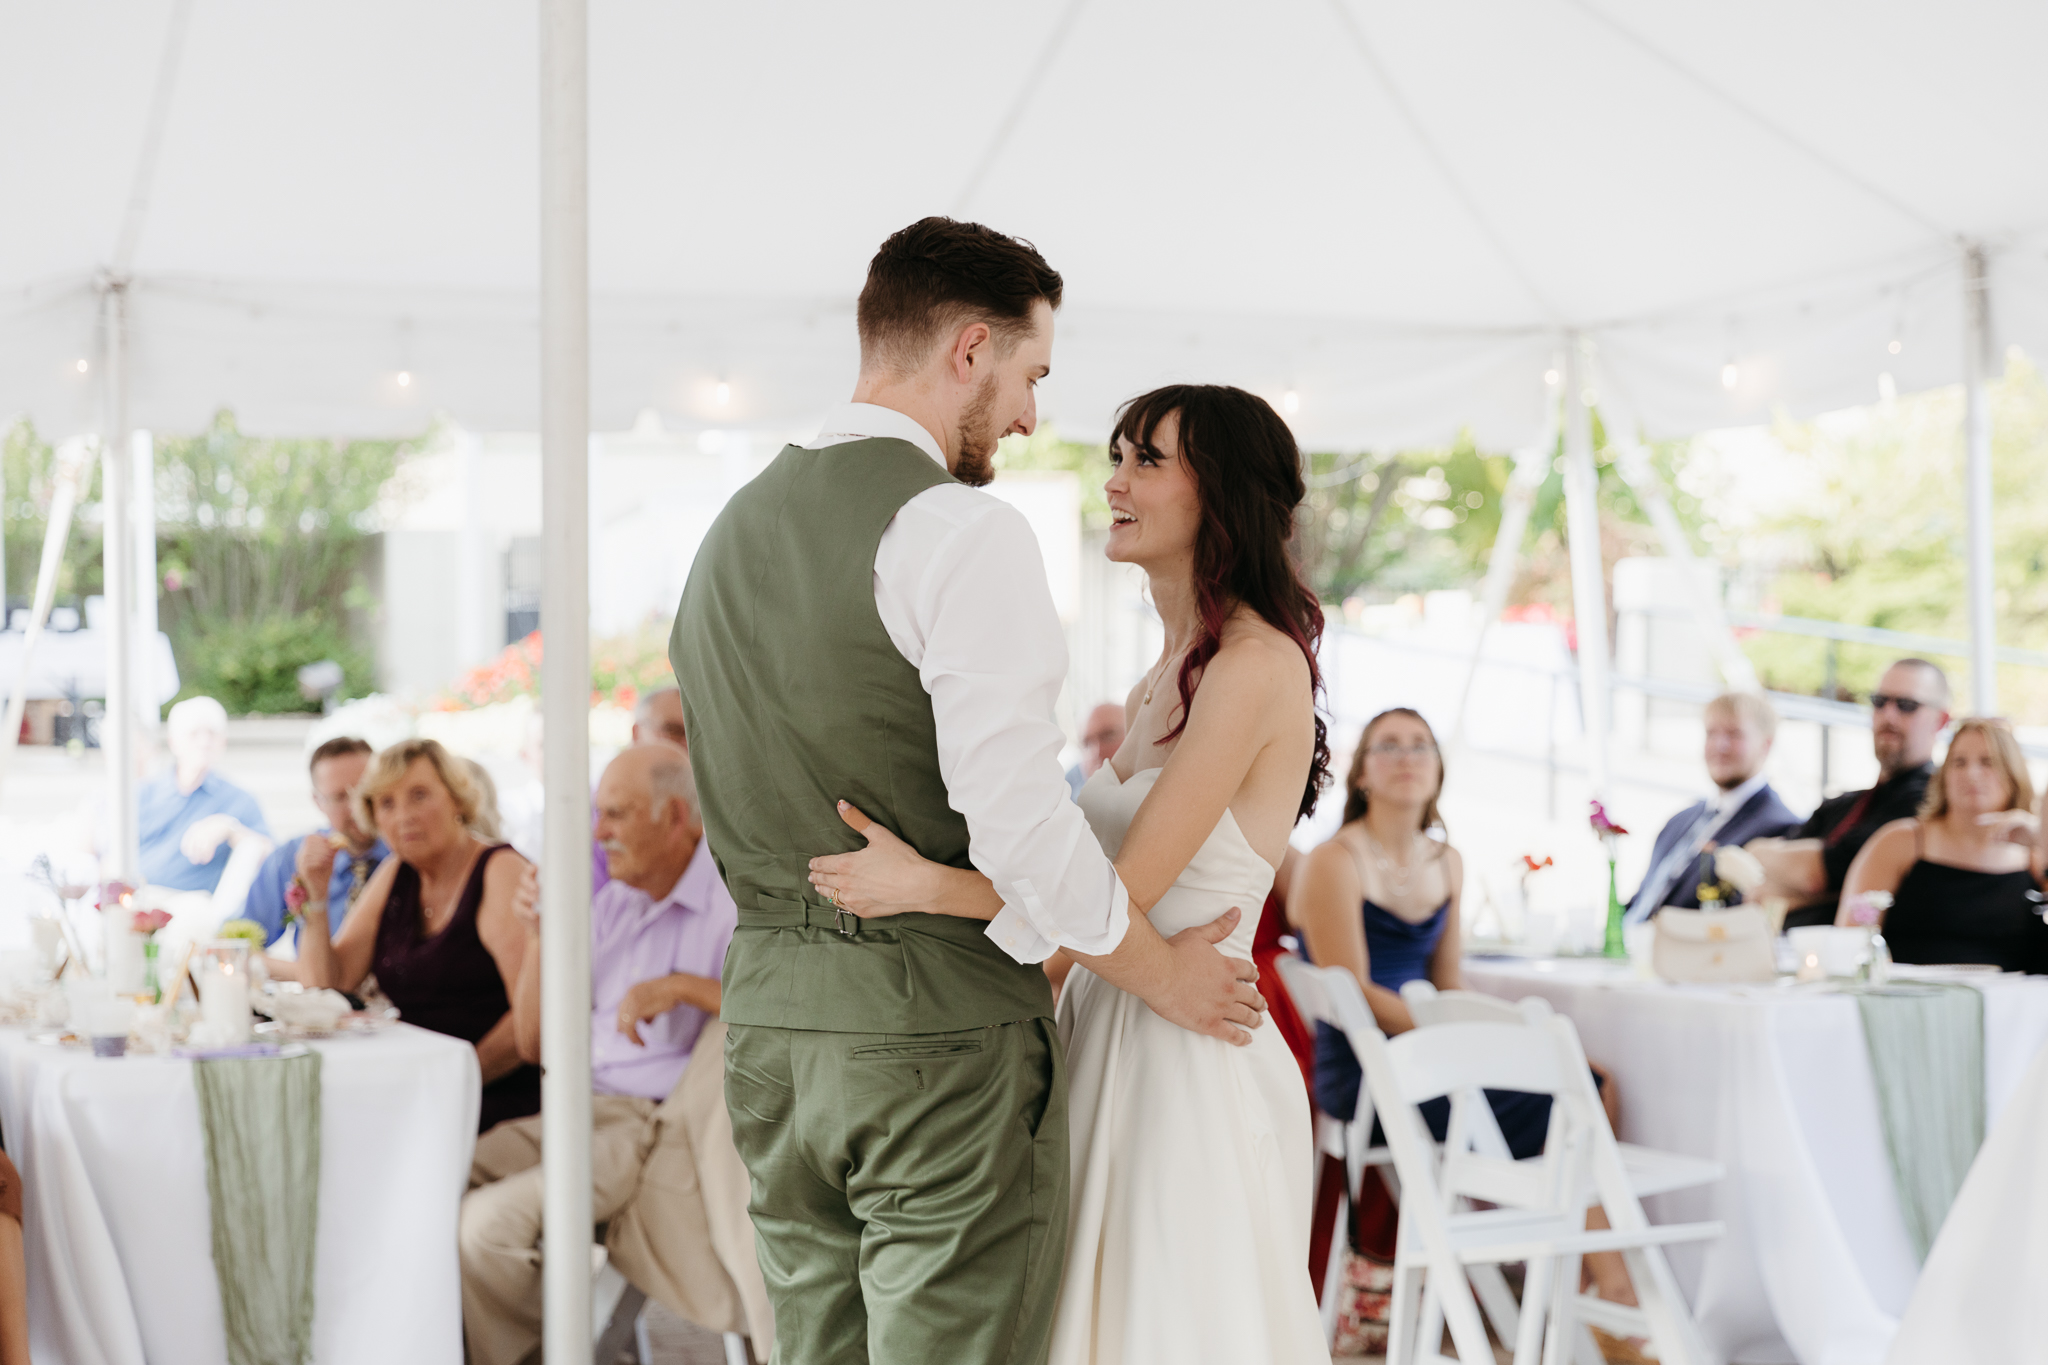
[(1381, 898), (1961, 888)]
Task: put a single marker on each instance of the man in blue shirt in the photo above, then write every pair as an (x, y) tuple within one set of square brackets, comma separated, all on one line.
[(187, 819), (346, 852)]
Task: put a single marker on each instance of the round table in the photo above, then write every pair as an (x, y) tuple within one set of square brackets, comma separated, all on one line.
[(1774, 1082), (117, 1219)]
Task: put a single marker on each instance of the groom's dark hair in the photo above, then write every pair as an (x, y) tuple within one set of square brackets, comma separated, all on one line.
[(938, 275)]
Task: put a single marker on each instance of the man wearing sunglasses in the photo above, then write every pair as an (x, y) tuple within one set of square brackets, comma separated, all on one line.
[(1908, 712)]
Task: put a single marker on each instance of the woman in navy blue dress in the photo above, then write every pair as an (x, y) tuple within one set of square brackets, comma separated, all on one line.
[(1382, 898)]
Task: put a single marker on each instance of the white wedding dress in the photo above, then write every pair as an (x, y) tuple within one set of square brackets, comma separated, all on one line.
[(1188, 1242)]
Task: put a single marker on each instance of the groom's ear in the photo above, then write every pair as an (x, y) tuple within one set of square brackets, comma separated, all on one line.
[(973, 347)]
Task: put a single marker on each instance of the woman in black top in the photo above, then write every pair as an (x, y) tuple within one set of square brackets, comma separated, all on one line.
[(1961, 888)]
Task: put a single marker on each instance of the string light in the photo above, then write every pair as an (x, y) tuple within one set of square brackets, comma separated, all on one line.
[(1896, 346), (405, 379), (1291, 402), (724, 393), (1550, 377), (1730, 376), (83, 367)]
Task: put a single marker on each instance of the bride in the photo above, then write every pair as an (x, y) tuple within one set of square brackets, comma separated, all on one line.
[(1188, 1240)]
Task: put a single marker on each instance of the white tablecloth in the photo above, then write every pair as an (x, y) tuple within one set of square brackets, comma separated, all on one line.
[(113, 1168), (1980, 1296), (1775, 1084)]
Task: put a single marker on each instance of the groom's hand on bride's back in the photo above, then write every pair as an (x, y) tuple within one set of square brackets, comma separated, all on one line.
[(1206, 992)]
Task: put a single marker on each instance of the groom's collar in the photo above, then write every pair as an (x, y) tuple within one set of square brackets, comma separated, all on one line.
[(856, 421)]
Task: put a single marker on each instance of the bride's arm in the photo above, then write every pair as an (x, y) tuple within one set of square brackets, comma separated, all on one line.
[(1244, 688), (1253, 687), (889, 877)]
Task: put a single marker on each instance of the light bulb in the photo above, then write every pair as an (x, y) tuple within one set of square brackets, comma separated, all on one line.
[(1730, 375), (405, 379), (83, 367), (724, 394), (1291, 401), (1550, 376), (1896, 346)]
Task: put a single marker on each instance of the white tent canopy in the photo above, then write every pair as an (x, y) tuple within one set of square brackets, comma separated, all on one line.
[(1392, 211)]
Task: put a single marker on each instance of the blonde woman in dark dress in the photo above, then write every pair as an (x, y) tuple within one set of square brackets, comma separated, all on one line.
[(436, 922)]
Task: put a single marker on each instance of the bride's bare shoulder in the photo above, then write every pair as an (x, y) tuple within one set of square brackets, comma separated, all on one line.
[(1254, 656)]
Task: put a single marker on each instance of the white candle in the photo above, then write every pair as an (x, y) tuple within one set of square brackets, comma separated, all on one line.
[(224, 1003)]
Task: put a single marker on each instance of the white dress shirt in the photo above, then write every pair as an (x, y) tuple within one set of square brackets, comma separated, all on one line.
[(960, 588)]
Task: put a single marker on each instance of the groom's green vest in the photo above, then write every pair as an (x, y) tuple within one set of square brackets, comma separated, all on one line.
[(794, 698)]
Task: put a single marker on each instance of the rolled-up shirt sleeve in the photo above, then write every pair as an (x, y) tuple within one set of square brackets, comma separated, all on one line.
[(961, 588)]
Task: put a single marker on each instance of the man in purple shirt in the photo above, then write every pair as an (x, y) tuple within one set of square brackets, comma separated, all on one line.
[(658, 934)]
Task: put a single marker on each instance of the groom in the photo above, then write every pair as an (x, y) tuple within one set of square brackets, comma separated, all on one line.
[(862, 624)]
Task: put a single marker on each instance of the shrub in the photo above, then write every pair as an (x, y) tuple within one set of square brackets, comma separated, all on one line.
[(252, 666)]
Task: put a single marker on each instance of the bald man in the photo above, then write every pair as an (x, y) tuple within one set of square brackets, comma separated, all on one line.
[(1101, 737), (658, 934)]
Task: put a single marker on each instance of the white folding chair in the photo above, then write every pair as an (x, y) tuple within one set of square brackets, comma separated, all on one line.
[(1651, 1170), (1539, 1213), (1350, 1142)]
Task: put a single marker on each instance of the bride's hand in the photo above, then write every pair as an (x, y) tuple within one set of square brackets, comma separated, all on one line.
[(888, 877)]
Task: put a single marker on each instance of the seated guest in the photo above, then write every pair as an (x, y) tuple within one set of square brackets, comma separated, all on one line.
[(1740, 727), (1381, 900), (436, 922), (658, 719), (1101, 737), (1908, 712), (658, 934), (13, 1270), (340, 855), (189, 818), (1961, 890)]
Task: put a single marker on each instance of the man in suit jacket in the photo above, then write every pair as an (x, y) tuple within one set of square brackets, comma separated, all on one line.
[(1740, 727)]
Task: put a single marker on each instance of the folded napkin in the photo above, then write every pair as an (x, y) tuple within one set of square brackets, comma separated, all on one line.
[(262, 1123), (1926, 1044)]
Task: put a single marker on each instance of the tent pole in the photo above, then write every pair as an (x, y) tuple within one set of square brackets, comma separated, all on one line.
[(565, 678), (1977, 481), (1532, 465), (122, 858), (148, 698), (73, 461), (1589, 595)]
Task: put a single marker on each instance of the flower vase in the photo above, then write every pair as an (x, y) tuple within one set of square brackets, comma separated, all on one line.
[(152, 985), (1616, 945)]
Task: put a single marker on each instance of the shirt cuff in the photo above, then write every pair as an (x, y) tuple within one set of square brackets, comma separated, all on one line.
[(1028, 932)]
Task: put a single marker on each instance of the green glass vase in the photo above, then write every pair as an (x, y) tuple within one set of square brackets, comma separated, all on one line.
[(1615, 946)]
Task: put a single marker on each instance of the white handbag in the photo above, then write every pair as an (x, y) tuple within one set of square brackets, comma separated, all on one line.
[(1705, 947)]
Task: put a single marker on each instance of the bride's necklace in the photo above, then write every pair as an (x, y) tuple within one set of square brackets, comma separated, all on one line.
[(1398, 874)]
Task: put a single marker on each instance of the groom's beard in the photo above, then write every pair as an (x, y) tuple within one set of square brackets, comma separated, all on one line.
[(978, 436)]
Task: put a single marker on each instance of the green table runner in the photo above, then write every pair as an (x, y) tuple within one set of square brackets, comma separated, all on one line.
[(1926, 1046), (261, 1118)]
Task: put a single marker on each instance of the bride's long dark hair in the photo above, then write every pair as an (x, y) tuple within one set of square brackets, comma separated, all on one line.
[(1247, 473)]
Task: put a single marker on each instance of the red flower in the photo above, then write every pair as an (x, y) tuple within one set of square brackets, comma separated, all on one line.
[(149, 921)]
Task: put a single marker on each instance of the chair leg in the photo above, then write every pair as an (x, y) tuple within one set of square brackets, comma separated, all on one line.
[(1332, 1292), (1403, 1308), (1558, 1334), (1528, 1335), (1454, 1292), (1430, 1322), (1496, 1300), (1672, 1330)]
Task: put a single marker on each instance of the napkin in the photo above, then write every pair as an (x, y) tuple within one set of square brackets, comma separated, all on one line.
[(261, 1118)]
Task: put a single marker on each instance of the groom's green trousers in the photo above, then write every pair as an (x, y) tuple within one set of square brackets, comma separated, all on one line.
[(909, 1190)]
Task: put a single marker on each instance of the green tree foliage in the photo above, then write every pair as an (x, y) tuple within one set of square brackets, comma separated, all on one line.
[(260, 544), (1882, 510)]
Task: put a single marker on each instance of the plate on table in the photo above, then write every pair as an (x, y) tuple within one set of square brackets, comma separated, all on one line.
[(349, 1026), (1944, 971)]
